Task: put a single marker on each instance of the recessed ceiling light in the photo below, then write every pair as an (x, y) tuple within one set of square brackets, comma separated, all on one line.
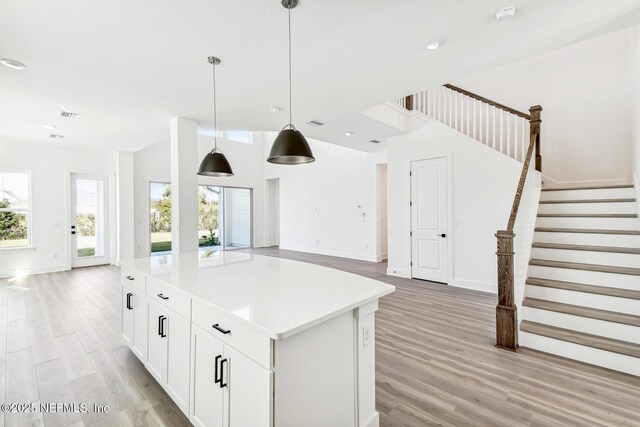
[(12, 64), (47, 126), (349, 133), (374, 141), (432, 44), (276, 109), (505, 14), (315, 123), (56, 136)]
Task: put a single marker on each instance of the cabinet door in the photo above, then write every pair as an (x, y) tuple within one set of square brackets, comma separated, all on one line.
[(157, 350), (178, 330), (127, 313), (206, 399), (140, 324), (249, 386)]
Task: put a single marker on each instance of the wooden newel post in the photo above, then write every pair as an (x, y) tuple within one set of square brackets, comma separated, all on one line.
[(408, 102), (534, 128), (506, 310)]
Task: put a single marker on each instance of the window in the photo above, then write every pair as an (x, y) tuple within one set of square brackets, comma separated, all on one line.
[(15, 209), (244, 136), (224, 220), (160, 217)]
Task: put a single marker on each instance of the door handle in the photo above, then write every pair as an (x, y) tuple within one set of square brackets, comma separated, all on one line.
[(162, 296), (73, 232), (129, 295), (219, 329), (216, 379), (161, 320), (222, 362), (129, 278)]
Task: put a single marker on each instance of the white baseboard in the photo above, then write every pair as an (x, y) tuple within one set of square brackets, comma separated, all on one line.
[(34, 270), (551, 183), (320, 251), (372, 421), (477, 286), (397, 272)]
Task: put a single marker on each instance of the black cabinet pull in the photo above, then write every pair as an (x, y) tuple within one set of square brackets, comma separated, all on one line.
[(162, 296), (161, 320), (443, 235), (219, 329), (216, 379), (129, 307), (222, 362), (129, 278)]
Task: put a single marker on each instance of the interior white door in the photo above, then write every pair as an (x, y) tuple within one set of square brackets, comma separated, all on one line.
[(206, 397), (89, 220), (429, 219)]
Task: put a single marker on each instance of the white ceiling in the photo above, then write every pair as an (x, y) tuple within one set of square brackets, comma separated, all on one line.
[(129, 66)]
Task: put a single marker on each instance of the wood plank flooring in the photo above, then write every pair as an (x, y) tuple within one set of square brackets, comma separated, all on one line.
[(436, 362)]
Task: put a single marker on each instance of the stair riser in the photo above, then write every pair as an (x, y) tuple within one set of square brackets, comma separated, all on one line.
[(583, 324), (584, 299), (621, 240), (587, 257), (587, 277), (594, 356), (600, 223), (605, 193), (592, 208)]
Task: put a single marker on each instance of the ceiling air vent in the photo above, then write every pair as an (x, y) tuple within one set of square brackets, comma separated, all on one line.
[(374, 141), (69, 114), (56, 136), (315, 123)]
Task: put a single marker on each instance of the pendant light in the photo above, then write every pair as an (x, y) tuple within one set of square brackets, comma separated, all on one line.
[(215, 163), (290, 146)]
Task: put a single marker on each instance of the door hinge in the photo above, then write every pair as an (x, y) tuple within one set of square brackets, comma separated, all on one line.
[(411, 233), (410, 203), (409, 173), (411, 263)]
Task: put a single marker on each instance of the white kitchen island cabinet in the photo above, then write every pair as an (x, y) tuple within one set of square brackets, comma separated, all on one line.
[(243, 340)]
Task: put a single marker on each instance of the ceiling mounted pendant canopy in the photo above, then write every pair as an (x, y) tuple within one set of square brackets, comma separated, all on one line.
[(215, 163), (290, 146)]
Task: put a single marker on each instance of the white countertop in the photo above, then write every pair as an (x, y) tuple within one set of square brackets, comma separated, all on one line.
[(278, 296)]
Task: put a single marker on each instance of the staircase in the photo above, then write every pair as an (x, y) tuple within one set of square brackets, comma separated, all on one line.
[(582, 295)]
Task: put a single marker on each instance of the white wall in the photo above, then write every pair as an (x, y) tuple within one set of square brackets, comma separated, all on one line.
[(635, 72), (319, 201), (481, 190), (49, 166), (586, 118), (153, 163)]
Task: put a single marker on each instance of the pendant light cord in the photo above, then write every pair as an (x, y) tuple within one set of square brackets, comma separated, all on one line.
[(290, 104), (215, 116)]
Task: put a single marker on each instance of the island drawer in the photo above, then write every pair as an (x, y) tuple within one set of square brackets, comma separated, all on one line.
[(132, 277), (233, 331), (169, 297)]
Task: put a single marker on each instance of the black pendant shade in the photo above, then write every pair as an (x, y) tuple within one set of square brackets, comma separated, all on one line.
[(215, 164), (290, 148)]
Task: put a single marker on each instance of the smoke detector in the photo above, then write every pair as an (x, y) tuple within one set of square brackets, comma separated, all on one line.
[(505, 14), (432, 44), (56, 136)]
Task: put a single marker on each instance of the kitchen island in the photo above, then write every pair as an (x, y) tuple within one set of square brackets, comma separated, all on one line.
[(245, 340)]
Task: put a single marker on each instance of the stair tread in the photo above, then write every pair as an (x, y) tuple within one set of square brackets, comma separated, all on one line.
[(585, 215), (588, 188), (577, 310), (581, 338), (587, 267), (591, 248), (581, 287), (553, 202), (586, 231)]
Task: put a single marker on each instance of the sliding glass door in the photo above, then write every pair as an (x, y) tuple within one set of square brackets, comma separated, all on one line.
[(225, 218)]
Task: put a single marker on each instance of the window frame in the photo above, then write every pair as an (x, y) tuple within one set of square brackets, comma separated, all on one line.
[(28, 211), (149, 213)]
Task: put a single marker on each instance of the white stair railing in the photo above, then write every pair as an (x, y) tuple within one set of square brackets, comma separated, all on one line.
[(495, 125)]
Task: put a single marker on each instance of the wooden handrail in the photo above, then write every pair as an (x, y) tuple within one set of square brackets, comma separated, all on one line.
[(488, 101), (506, 310)]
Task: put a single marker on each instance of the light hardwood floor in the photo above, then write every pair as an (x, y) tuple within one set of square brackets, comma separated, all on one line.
[(436, 363)]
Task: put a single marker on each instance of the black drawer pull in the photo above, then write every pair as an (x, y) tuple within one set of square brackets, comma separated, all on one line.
[(161, 320), (130, 278), (162, 296), (222, 362), (219, 329), (129, 307)]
